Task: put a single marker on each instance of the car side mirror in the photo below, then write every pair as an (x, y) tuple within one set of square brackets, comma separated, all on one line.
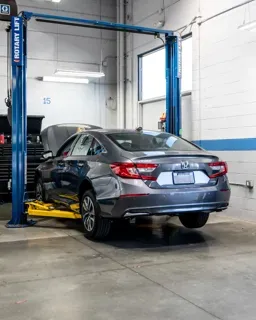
[(47, 155)]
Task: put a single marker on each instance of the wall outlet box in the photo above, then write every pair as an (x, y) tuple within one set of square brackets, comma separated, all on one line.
[(249, 184)]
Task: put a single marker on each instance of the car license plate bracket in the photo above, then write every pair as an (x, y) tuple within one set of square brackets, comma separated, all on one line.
[(183, 177)]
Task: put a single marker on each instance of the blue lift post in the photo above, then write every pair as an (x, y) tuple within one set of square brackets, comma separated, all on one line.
[(173, 76), (19, 101), (19, 121)]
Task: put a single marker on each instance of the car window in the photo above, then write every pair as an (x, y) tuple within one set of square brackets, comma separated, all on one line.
[(64, 150), (151, 141), (96, 148), (82, 146)]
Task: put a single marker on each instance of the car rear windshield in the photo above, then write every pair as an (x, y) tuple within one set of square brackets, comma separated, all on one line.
[(150, 141)]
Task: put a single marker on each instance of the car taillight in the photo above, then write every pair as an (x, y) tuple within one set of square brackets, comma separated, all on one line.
[(219, 168), (131, 170)]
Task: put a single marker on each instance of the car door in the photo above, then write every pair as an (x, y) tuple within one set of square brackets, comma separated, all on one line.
[(99, 174), (52, 171), (76, 167)]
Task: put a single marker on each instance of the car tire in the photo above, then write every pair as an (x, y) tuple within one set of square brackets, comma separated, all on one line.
[(95, 227), (39, 190), (194, 220)]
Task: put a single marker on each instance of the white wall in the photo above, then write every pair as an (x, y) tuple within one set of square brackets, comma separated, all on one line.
[(52, 47), (224, 77)]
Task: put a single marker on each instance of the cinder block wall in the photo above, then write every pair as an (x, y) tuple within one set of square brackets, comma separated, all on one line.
[(52, 47), (224, 78)]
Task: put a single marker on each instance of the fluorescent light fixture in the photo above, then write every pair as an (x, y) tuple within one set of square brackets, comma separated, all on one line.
[(56, 1), (75, 73), (65, 80), (250, 26)]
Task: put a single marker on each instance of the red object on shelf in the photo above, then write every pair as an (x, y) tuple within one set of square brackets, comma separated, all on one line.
[(163, 117), (2, 138)]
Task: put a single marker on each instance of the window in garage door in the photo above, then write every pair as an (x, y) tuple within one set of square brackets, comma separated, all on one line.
[(152, 74), (152, 82)]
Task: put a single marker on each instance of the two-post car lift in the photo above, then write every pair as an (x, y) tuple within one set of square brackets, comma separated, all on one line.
[(19, 102)]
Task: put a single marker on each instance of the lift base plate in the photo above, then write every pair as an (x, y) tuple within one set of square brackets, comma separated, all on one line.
[(11, 225)]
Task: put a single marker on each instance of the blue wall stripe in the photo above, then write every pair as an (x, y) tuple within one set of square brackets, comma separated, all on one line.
[(245, 144)]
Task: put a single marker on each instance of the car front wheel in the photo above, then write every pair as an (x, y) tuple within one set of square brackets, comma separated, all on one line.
[(95, 226), (40, 194), (194, 220)]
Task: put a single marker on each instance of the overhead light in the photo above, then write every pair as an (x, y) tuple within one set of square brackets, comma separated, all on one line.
[(75, 73), (250, 26), (55, 1), (65, 80)]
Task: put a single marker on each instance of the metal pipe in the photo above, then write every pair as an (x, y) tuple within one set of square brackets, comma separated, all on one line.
[(118, 65), (125, 65), (133, 103), (121, 67), (241, 185), (156, 12), (225, 11)]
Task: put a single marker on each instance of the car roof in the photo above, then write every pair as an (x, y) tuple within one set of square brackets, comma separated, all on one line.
[(109, 131), (74, 125)]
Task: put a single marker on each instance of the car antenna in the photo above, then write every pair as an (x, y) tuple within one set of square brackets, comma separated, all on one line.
[(139, 129)]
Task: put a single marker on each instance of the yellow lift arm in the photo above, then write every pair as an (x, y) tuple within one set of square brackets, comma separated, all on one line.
[(41, 209)]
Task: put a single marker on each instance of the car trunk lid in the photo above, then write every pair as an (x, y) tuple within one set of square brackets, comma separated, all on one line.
[(176, 169)]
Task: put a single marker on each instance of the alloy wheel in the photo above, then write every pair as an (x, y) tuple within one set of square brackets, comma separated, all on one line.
[(88, 213)]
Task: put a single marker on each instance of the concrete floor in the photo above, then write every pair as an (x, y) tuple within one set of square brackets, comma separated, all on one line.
[(149, 271)]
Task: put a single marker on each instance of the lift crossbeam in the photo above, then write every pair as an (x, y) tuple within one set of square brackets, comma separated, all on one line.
[(95, 23)]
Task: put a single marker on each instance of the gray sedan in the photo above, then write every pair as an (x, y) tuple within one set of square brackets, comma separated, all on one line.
[(123, 174)]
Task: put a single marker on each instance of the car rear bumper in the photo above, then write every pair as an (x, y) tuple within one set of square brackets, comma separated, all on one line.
[(167, 203), (175, 210)]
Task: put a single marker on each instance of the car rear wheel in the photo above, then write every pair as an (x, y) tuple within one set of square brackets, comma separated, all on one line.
[(95, 226), (194, 220)]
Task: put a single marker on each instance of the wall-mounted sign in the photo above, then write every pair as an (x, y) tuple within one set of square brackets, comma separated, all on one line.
[(5, 9), (8, 8), (47, 100)]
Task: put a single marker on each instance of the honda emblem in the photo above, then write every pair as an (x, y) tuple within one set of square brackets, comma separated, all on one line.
[(184, 165)]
